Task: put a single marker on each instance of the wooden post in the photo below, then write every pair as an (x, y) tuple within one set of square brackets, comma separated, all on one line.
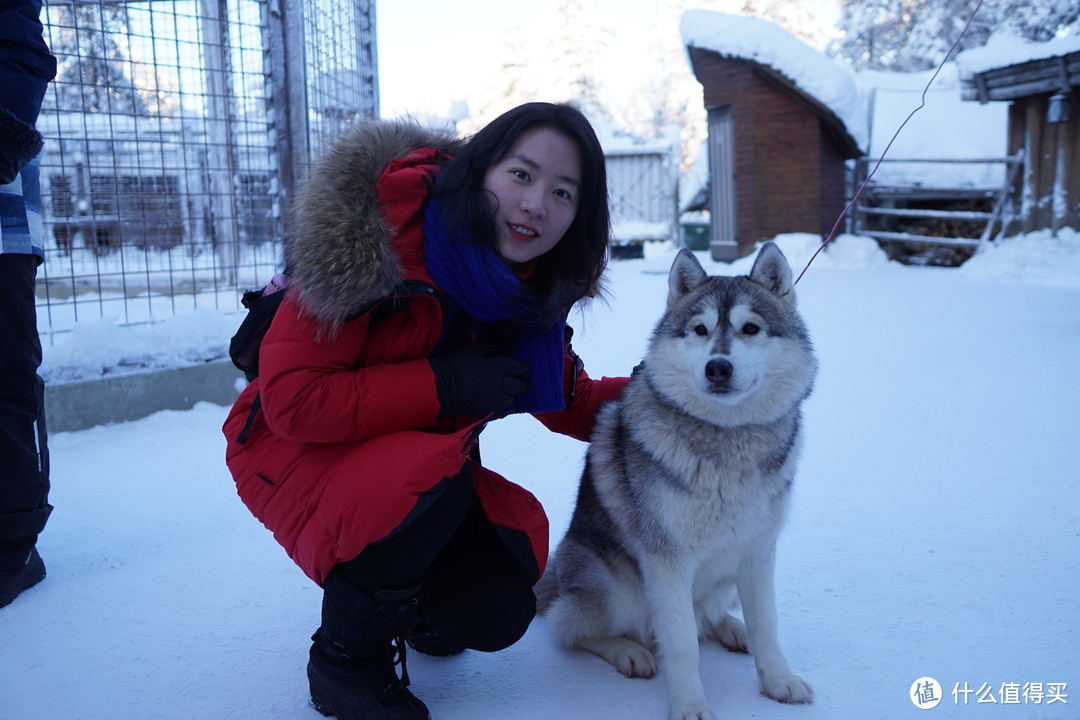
[(1060, 190), (1029, 191), (220, 121)]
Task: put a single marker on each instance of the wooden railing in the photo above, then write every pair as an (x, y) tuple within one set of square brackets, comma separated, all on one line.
[(881, 200)]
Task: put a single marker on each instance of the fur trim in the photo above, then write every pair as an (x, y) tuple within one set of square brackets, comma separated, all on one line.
[(339, 251)]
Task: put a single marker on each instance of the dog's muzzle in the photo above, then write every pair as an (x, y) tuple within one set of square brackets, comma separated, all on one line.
[(718, 372)]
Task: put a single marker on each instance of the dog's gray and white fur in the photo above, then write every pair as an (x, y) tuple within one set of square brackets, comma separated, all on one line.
[(685, 488)]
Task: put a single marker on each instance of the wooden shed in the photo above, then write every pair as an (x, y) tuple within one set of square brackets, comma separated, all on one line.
[(776, 152), (1044, 124)]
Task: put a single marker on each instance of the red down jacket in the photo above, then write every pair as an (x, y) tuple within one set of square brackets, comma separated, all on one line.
[(348, 438)]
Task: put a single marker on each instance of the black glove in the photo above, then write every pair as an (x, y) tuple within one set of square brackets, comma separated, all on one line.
[(476, 381), (19, 144)]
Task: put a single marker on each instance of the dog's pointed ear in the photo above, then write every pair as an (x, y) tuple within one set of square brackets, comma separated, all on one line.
[(686, 274), (772, 271)]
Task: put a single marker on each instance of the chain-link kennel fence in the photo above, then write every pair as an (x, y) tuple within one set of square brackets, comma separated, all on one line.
[(175, 132)]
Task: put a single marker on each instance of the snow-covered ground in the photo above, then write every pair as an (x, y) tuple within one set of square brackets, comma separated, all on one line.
[(935, 529)]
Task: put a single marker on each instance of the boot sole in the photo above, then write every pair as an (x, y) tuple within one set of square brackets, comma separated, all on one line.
[(324, 710), (327, 711)]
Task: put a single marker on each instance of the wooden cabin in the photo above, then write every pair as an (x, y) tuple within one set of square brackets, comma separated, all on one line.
[(1044, 124), (776, 153)]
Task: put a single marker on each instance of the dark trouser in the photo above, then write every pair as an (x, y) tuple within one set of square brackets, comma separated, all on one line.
[(472, 593), (24, 468)]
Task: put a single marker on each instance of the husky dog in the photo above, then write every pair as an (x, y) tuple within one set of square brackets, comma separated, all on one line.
[(685, 488)]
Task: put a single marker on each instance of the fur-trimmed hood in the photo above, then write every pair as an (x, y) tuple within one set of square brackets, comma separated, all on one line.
[(338, 249)]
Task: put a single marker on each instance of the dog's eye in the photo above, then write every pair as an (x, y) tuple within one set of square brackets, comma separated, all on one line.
[(750, 329), (701, 330)]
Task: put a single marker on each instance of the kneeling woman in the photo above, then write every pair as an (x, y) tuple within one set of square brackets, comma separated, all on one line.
[(431, 281)]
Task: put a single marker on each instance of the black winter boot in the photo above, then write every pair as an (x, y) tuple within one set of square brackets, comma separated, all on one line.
[(427, 642), (20, 569), (352, 661), (358, 687)]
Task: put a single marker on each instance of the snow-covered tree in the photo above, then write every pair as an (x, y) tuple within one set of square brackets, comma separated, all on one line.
[(672, 95), (564, 62), (913, 35), (792, 15), (559, 64), (573, 56), (92, 76)]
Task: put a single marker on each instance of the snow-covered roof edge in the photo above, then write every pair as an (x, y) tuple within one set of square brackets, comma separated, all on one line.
[(750, 38), (1005, 48)]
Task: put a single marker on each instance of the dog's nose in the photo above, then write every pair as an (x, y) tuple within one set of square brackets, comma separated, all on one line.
[(718, 370)]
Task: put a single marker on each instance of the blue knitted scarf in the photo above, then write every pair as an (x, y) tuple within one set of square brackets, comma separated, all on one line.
[(478, 279)]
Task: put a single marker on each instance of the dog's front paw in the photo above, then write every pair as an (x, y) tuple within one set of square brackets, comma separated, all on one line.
[(731, 633), (632, 660), (789, 688), (628, 657), (693, 711)]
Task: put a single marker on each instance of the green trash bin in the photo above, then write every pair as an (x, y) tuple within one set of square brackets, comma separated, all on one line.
[(695, 235)]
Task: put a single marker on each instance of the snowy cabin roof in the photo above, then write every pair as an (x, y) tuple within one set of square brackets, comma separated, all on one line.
[(821, 79), (1008, 67)]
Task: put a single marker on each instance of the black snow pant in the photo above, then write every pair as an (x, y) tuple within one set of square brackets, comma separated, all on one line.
[(24, 468), (471, 592)]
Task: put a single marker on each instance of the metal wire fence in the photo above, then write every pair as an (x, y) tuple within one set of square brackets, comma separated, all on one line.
[(175, 132)]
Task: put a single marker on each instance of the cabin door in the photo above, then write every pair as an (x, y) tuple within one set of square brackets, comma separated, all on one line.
[(722, 244)]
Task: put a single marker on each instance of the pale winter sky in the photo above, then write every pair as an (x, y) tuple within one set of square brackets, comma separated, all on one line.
[(433, 52)]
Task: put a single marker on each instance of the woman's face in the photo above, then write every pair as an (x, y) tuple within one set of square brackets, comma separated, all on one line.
[(534, 193)]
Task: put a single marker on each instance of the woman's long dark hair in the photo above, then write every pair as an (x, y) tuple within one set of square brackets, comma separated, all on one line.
[(572, 268)]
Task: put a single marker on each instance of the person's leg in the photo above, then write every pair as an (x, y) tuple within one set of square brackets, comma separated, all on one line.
[(370, 603), (475, 595), (351, 671), (400, 560), (24, 475), (471, 592)]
